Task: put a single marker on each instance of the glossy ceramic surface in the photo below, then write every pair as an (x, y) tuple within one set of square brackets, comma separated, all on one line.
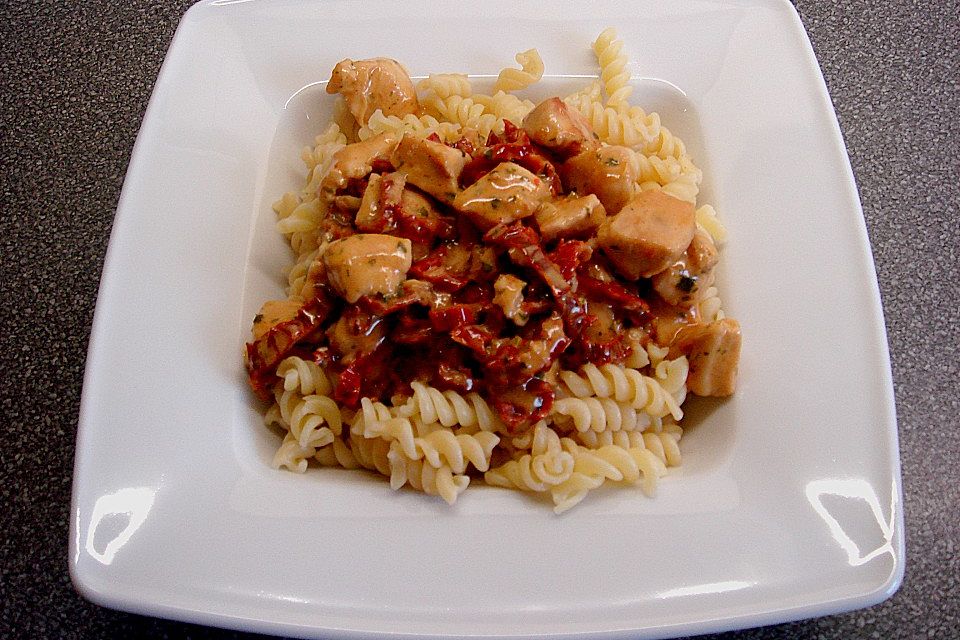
[(788, 501)]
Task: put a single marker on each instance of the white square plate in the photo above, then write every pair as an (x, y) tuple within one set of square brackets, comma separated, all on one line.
[(788, 501)]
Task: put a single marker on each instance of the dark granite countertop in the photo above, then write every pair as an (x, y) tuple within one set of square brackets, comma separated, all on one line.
[(75, 82)]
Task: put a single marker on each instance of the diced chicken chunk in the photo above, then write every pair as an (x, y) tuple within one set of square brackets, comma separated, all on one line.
[(610, 172), (382, 196), (272, 313), (570, 217), (431, 166), (356, 333), (683, 283), (366, 264), (509, 297), (648, 235), (506, 193), (377, 83), (713, 351), (560, 128), (356, 161)]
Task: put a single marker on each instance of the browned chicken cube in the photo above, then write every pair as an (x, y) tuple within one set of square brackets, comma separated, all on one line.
[(570, 217), (272, 313), (377, 83), (560, 128), (356, 161), (713, 351), (648, 235), (506, 193), (367, 263), (683, 283), (609, 172), (432, 166)]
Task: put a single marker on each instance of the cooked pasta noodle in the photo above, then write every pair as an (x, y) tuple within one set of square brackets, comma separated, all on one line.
[(449, 408), (530, 71), (613, 67), (444, 85)]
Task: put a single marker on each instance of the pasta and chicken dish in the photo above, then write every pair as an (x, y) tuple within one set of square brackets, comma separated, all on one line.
[(485, 287)]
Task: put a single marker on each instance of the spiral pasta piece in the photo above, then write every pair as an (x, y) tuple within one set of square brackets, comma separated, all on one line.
[(449, 408), (505, 106), (369, 453), (664, 144), (443, 447), (292, 455), (424, 125), (324, 146), (613, 66), (305, 217), (462, 111), (596, 414), (530, 72), (709, 221), (573, 490), (303, 376), (424, 477), (444, 85), (312, 420), (595, 440), (593, 467), (624, 385), (394, 429), (687, 185), (338, 454), (710, 307), (532, 472), (665, 444)]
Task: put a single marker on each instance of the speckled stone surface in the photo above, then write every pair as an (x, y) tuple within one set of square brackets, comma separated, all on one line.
[(75, 83)]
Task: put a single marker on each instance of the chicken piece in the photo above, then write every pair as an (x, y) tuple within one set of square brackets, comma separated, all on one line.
[(367, 263), (316, 277), (356, 333), (347, 203), (509, 297), (506, 193), (560, 128), (606, 327), (272, 313), (648, 235), (356, 160), (682, 283), (609, 172), (381, 199), (570, 217), (713, 351), (432, 166), (377, 83)]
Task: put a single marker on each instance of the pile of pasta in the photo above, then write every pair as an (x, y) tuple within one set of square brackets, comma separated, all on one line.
[(612, 421)]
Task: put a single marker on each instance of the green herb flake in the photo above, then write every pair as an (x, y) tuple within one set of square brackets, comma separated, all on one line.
[(612, 162), (258, 318)]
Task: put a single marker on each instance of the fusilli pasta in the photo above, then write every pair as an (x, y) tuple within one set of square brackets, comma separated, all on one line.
[(530, 71), (613, 66)]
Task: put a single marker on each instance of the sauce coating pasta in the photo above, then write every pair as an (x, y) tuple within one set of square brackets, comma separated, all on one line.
[(483, 284)]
